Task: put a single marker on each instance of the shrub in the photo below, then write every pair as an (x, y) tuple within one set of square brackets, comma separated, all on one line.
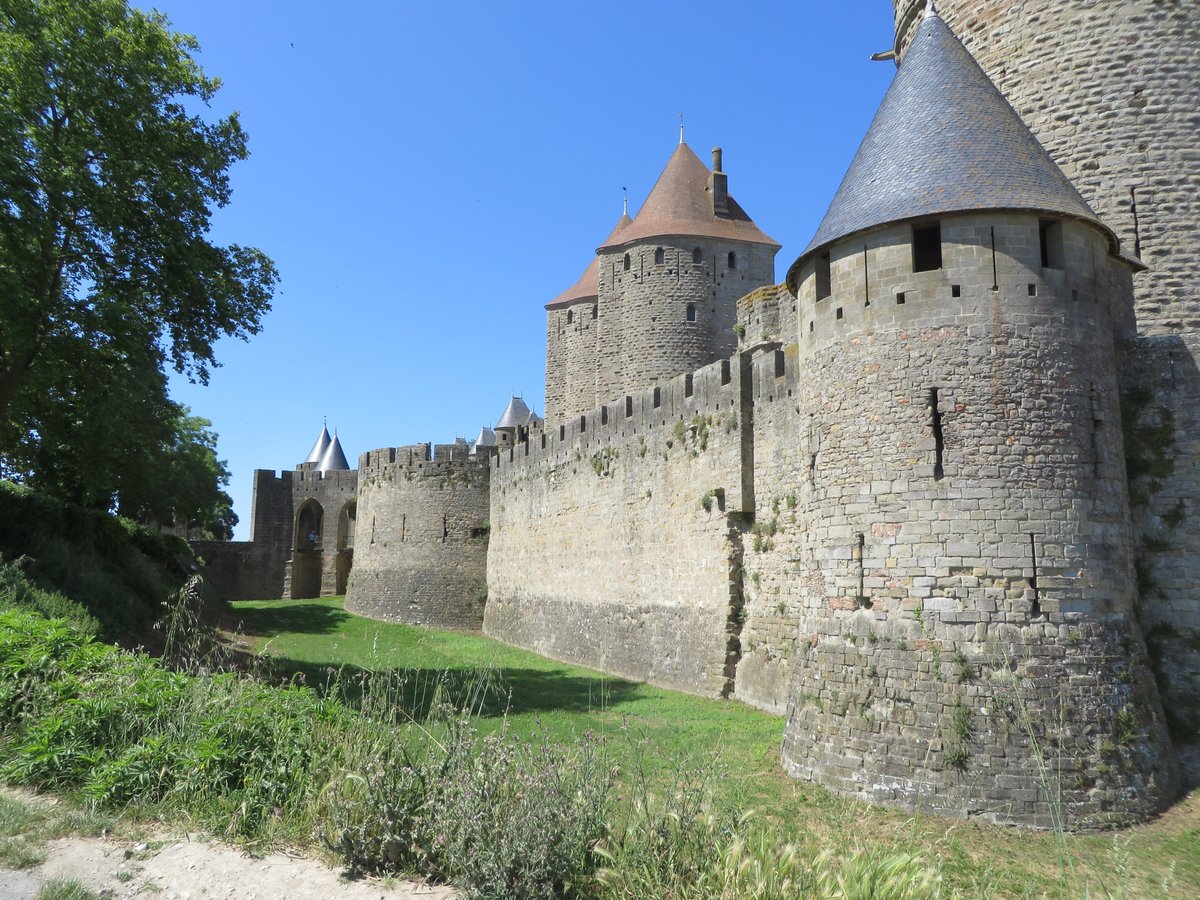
[(497, 816)]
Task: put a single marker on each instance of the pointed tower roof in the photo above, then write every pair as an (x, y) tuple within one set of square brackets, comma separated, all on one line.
[(333, 460), (486, 438), (945, 140), (589, 281), (681, 203), (515, 414), (319, 448)]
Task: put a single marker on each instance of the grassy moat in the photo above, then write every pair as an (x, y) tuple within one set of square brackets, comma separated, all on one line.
[(399, 751), (657, 738)]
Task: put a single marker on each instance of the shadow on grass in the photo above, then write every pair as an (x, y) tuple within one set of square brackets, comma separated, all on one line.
[(302, 617), (488, 691)]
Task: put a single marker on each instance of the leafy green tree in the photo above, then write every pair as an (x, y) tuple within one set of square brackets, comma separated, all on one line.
[(107, 181), (179, 486)]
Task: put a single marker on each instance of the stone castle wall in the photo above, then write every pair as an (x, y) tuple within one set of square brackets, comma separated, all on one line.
[(1111, 88), (421, 552), (1161, 409), (644, 335), (968, 589), (243, 570), (772, 577), (616, 536)]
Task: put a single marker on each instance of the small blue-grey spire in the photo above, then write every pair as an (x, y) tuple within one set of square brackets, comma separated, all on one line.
[(319, 448), (931, 9), (333, 459)]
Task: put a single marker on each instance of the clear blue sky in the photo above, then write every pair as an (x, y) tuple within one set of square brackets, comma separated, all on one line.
[(428, 176)]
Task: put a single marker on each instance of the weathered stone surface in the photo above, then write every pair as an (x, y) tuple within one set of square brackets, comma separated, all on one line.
[(421, 548)]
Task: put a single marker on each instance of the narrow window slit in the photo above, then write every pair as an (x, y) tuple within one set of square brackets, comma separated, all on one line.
[(995, 277), (1035, 605), (935, 424), (863, 601)]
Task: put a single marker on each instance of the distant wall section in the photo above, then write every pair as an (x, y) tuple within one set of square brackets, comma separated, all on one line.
[(421, 553)]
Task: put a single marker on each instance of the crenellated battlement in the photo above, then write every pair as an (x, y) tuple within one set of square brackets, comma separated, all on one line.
[(710, 390), (425, 459)]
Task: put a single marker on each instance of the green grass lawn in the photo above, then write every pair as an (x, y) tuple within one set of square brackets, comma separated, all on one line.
[(654, 733)]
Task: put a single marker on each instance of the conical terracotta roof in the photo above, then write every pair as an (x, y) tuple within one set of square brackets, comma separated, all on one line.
[(319, 448), (515, 414), (945, 140), (680, 204), (589, 281), (334, 460)]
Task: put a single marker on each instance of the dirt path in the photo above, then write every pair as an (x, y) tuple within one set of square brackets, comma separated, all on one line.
[(193, 868)]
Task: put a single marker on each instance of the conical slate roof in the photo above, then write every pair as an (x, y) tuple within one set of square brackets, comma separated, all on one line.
[(517, 413), (680, 203), (945, 140), (333, 460), (588, 284), (319, 448), (486, 438)]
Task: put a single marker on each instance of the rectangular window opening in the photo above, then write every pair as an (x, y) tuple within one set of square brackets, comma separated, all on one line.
[(780, 363), (956, 290), (628, 407), (823, 276), (899, 298), (725, 377), (927, 247), (657, 398), (582, 424), (687, 385), (603, 415), (1050, 240), (839, 312)]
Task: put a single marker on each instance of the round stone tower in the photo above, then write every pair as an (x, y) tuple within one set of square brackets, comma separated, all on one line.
[(420, 554), (1111, 88), (571, 326), (967, 643), (669, 281)]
